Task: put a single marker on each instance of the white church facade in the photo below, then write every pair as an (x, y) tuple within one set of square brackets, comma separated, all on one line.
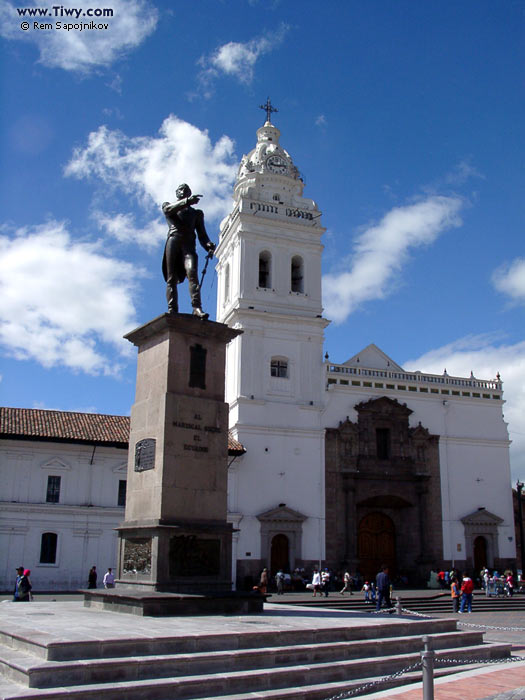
[(343, 465)]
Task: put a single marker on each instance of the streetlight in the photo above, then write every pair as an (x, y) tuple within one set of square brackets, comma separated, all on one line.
[(519, 487)]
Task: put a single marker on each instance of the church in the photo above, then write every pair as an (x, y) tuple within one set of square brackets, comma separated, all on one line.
[(347, 465)]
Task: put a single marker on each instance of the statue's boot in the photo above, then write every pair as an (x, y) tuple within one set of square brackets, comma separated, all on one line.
[(197, 311), (172, 299), (195, 292)]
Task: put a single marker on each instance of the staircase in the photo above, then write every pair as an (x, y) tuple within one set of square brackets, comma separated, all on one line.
[(291, 664), (440, 603)]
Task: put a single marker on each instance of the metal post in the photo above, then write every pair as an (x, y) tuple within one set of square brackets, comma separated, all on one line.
[(399, 610), (427, 663), (519, 487)]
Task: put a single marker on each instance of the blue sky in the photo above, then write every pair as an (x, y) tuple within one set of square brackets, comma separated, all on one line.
[(405, 119)]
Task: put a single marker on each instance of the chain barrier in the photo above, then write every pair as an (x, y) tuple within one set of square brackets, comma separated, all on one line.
[(414, 667), (492, 627), (465, 662), (373, 684), (380, 612), (468, 624)]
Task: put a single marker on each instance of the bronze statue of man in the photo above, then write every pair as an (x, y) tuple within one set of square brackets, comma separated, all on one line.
[(180, 256)]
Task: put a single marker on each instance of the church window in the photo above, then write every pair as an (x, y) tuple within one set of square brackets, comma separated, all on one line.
[(369, 384), (378, 385), (412, 388), (279, 368), (227, 283), (390, 386), (297, 274), (383, 443), (53, 489), (121, 498), (48, 548), (265, 270)]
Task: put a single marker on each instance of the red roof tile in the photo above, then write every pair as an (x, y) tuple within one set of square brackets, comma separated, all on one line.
[(66, 426)]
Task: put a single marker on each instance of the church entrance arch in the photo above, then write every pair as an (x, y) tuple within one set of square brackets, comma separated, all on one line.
[(279, 554), (376, 544), (480, 553)]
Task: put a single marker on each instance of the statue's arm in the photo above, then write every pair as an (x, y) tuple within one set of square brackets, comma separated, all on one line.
[(168, 208), (202, 234)]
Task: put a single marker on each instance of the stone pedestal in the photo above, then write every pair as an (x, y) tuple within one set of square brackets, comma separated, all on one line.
[(175, 536)]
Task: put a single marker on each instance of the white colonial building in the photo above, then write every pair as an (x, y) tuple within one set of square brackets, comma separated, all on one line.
[(347, 465)]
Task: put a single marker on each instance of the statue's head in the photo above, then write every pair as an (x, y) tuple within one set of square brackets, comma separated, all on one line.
[(183, 191)]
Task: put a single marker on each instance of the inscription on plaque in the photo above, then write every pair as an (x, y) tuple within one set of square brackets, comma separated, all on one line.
[(192, 556), (145, 455)]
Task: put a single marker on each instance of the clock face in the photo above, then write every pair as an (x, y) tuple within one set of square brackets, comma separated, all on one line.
[(276, 164)]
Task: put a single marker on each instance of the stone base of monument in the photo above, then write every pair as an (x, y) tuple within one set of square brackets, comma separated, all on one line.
[(176, 557), (163, 604)]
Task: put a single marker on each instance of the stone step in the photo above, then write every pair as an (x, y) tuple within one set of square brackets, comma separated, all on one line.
[(26, 669), (193, 643), (252, 681)]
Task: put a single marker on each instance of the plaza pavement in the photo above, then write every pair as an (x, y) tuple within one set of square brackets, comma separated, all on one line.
[(70, 620)]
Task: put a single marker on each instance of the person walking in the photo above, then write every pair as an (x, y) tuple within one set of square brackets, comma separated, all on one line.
[(263, 582), (325, 582), (279, 582), (383, 588), (92, 577), (467, 589), (22, 592), (109, 579), (347, 580), (316, 582), (455, 593)]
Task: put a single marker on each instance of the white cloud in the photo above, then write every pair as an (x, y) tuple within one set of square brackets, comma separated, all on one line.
[(382, 249), (86, 50), (124, 229), (485, 357), (321, 120), (151, 168), (63, 300), (510, 279), (238, 59)]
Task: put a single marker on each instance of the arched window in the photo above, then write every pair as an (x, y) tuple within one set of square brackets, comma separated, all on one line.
[(265, 270), (297, 274), (48, 548), (227, 283), (279, 367)]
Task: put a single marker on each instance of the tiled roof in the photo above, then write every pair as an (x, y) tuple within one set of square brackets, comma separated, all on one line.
[(66, 426)]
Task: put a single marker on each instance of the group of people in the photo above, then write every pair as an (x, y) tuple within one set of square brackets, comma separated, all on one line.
[(108, 581), (23, 586), (498, 584)]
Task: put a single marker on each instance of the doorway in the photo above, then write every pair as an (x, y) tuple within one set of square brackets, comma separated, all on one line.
[(279, 554), (376, 544), (480, 553)]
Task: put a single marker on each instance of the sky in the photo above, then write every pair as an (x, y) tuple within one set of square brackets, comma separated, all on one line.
[(406, 120)]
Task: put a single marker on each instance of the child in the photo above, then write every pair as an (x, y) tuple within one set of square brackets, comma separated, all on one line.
[(366, 591), (454, 592)]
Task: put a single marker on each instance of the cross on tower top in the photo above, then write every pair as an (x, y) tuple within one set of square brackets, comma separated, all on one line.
[(269, 109)]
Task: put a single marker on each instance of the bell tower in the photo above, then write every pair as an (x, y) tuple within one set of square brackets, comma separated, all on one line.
[(269, 286)]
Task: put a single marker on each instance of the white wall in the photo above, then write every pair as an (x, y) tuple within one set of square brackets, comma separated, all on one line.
[(84, 519)]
